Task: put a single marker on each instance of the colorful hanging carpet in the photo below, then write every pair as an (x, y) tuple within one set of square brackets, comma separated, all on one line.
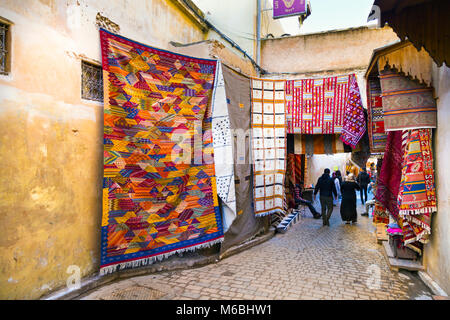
[(269, 145), (354, 118), (377, 135), (361, 153), (417, 196), (319, 106), (316, 106), (417, 191), (159, 183), (223, 150), (407, 104), (388, 184), (380, 215)]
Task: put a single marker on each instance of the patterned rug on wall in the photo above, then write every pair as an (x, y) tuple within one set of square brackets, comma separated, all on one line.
[(159, 184), (269, 145)]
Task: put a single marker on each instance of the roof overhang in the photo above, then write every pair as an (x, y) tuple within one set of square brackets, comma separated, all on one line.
[(424, 23)]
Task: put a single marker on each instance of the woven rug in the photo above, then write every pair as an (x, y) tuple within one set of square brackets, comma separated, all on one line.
[(388, 184), (377, 135), (329, 105), (354, 118), (159, 184), (417, 195), (246, 225), (223, 150), (380, 215), (269, 145), (417, 191), (407, 104), (290, 180)]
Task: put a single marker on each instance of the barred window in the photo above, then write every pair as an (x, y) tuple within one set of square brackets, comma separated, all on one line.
[(4, 46), (91, 81)]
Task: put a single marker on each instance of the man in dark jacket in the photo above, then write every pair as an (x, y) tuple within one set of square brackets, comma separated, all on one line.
[(327, 188), (363, 181)]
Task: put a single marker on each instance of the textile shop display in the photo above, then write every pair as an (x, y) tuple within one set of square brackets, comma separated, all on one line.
[(361, 153), (417, 195), (354, 117), (294, 175), (375, 127), (159, 183), (223, 150), (268, 144), (380, 215), (290, 181), (246, 225), (389, 178), (325, 106), (310, 144), (407, 104)]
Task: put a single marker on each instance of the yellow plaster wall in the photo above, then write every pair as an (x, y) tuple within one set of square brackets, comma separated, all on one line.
[(51, 140)]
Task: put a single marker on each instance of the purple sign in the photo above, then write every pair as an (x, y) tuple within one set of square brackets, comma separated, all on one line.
[(286, 8)]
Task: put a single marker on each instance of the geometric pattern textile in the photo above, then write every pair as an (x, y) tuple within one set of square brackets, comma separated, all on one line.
[(354, 118), (326, 106), (316, 106), (417, 191), (417, 195), (388, 184), (379, 213), (407, 104), (269, 145), (159, 184), (377, 135), (223, 150)]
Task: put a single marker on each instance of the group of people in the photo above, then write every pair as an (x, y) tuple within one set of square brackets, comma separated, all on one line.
[(334, 189)]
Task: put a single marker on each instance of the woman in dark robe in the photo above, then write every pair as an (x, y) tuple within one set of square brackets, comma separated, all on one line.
[(348, 204)]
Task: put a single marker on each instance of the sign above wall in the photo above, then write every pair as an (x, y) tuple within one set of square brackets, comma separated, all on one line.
[(287, 8)]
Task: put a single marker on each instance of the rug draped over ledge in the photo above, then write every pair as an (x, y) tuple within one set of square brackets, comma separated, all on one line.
[(329, 105), (159, 184), (407, 104)]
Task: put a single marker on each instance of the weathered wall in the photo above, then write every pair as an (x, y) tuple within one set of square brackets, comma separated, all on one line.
[(212, 49), (51, 139), (333, 51), (437, 253)]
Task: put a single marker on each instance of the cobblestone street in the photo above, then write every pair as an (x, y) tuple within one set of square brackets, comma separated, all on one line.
[(308, 262)]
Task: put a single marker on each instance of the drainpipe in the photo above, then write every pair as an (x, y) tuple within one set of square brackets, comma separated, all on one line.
[(258, 34)]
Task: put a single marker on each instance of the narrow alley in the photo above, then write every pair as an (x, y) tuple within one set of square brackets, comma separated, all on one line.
[(171, 150), (310, 261)]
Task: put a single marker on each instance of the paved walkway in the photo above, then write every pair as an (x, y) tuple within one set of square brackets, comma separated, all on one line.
[(308, 262)]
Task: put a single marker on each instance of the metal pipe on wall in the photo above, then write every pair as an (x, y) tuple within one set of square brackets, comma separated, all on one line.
[(258, 33)]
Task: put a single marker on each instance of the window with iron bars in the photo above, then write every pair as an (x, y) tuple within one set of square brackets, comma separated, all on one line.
[(4, 48), (91, 82)]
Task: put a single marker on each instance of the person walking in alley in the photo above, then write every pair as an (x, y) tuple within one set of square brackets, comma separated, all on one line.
[(327, 188), (363, 180), (348, 204), (337, 184)]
